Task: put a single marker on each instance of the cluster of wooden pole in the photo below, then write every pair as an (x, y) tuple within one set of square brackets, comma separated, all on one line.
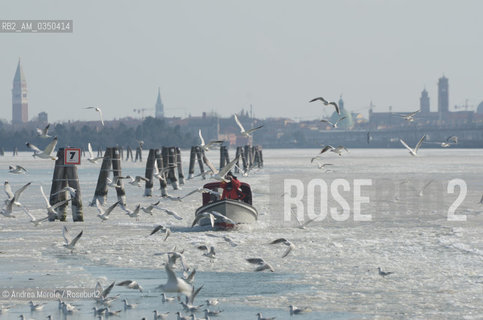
[(2, 152), (172, 160), (65, 175), (196, 154), (251, 157), (224, 157), (167, 161), (112, 159), (257, 156)]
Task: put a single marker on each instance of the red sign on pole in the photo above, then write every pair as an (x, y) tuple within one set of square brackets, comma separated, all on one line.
[(72, 156)]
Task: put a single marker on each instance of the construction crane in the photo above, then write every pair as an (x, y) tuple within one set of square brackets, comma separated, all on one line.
[(465, 106), (141, 111)]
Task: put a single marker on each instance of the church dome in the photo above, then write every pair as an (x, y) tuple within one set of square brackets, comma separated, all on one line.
[(348, 122), (480, 108)]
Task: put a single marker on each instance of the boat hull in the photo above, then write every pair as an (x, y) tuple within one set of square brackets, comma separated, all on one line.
[(238, 211)]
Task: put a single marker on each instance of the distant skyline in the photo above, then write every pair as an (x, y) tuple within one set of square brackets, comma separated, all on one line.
[(222, 56)]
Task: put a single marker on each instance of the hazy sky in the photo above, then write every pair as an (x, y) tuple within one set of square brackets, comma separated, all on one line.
[(225, 55)]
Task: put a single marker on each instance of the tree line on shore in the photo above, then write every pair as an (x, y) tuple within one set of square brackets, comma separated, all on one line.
[(153, 132)]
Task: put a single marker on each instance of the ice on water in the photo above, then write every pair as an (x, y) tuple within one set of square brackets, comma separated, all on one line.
[(437, 265)]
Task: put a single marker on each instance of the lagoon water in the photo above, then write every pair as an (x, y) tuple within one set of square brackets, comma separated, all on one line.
[(437, 263)]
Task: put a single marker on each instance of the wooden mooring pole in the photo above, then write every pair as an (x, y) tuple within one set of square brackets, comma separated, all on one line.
[(65, 175), (116, 171), (162, 182), (179, 166), (172, 166), (199, 156), (101, 188), (191, 170), (139, 154), (150, 163)]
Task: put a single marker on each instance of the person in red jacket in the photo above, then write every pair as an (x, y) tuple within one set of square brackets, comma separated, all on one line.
[(231, 188)]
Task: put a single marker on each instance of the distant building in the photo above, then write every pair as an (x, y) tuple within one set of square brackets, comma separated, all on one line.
[(159, 113), (479, 110), (443, 95), (43, 117), (20, 106), (441, 118), (346, 123), (424, 102)]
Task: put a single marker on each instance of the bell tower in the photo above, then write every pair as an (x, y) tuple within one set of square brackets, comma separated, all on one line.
[(20, 107)]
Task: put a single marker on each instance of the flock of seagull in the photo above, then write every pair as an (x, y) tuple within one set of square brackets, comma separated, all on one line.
[(410, 117), (180, 285)]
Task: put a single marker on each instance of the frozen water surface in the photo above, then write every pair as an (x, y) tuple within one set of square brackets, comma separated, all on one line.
[(437, 264)]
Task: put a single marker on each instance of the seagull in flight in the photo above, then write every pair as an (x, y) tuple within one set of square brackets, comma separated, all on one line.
[(449, 141), (226, 238), (91, 158), (337, 150), (132, 214), (301, 225), (51, 213), (171, 213), (245, 133), (69, 242), (208, 253), (326, 103), (452, 139), (223, 218), (161, 175), (136, 181), (17, 169), (175, 284), (197, 190), (204, 215), (321, 165), (130, 284), (284, 241), (34, 220), (414, 151), (103, 296), (149, 209), (206, 147), (42, 133), (408, 116), (46, 153), (114, 181), (98, 110), (219, 175), (262, 265), (104, 215), (12, 199), (166, 231), (334, 125)]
